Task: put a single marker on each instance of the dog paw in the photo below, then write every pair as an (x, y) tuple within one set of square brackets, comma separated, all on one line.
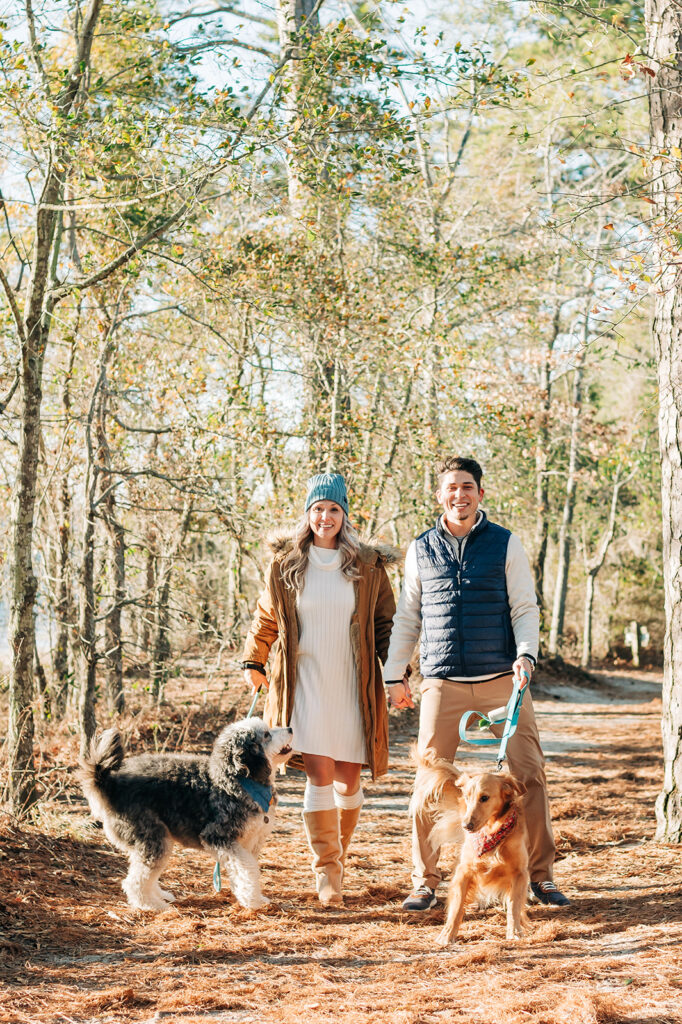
[(168, 896), (443, 938), (255, 904), (155, 905)]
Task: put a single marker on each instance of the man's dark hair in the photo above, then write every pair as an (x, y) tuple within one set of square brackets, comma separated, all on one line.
[(454, 462)]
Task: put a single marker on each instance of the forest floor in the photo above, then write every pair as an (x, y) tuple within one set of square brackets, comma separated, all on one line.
[(73, 951)]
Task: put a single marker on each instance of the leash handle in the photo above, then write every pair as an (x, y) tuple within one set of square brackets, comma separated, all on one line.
[(511, 717)]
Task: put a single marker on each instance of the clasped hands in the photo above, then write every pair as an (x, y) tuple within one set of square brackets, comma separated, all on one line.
[(400, 694)]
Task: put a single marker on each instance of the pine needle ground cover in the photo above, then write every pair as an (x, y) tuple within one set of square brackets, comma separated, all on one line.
[(73, 951)]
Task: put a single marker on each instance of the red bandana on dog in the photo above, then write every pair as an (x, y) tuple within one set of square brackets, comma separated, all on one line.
[(484, 844)]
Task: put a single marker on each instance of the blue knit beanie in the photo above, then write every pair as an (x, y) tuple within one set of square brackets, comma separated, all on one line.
[(327, 487)]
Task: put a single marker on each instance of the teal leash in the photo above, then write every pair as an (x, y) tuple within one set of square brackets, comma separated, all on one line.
[(254, 702), (217, 880), (511, 718)]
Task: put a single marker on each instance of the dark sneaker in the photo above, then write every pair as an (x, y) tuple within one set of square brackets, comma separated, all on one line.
[(547, 892), (422, 898)]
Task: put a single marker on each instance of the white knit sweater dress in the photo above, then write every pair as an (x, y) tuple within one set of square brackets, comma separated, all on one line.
[(326, 718)]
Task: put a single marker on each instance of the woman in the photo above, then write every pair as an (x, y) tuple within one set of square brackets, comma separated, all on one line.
[(327, 607)]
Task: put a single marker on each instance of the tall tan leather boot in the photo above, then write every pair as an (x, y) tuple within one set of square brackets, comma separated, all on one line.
[(324, 837), (348, 820)]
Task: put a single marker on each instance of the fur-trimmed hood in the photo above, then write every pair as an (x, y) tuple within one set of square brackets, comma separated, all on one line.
[(372, 552)]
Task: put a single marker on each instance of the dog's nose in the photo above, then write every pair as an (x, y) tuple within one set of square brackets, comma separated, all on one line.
[(469, 826)]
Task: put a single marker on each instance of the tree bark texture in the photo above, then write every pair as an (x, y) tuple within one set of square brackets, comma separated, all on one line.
[(564, 545), (64, 609), (542, 445), (295, 20), (87, 647), (33, 331), (113, 638), (664, 28), (593, 567), (23, 583), (161, 651)]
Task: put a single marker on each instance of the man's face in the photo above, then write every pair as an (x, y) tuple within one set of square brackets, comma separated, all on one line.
[(459, 495)]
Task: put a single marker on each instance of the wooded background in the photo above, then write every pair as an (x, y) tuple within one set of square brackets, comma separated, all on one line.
[(241, 243)]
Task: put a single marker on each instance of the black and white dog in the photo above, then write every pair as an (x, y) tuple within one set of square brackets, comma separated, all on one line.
[(223, 803)]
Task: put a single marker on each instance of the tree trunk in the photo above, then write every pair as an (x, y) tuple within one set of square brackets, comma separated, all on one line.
[(64, 610), (43, 688), (295, 20), (594, 566), (561, 584), (22, 580), (542, 449), (664, 27), (113, 638), (234, 591), (586, 658), (113, 642), (161, 647), (147, 611), (33, 331), (87, 647)]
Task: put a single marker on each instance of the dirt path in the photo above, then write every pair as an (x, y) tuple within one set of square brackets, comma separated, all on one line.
[(74, 951)]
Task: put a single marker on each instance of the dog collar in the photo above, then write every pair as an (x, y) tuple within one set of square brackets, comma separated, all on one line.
[(260, 794), (484, 844)]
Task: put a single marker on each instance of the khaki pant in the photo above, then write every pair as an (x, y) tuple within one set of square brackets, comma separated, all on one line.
[(442, 705)]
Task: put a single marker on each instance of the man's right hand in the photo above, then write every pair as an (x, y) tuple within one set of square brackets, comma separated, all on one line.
[(400, 695), (255, 679)]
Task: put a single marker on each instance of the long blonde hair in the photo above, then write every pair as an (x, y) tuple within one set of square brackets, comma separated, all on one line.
[(295, 562)]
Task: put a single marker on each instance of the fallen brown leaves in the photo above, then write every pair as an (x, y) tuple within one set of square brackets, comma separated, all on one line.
[(73, 951)]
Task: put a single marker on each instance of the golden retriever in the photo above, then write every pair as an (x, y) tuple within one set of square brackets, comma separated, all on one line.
[(483, 813)]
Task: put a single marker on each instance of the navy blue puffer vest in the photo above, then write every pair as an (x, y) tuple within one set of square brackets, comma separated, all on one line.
[(466, 621)]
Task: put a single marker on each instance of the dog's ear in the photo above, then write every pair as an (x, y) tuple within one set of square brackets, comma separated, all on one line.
[(254, 762), (227, 757), (512, 787), (462, 780)]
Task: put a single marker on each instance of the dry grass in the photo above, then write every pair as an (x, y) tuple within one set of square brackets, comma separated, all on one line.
[(73, 951)]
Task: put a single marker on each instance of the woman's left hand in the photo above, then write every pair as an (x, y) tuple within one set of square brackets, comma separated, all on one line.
[(256, 680)]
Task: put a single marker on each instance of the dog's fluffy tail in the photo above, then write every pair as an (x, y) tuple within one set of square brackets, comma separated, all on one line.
[(435, 786), (105, 757)]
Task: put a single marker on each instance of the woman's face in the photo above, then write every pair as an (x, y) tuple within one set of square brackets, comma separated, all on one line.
[(326, 519)]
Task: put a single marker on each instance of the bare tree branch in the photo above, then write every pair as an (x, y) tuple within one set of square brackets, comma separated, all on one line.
[(13, 306), (35, 46), (219, 8), (4, 402), (140, 430), (211, 44)]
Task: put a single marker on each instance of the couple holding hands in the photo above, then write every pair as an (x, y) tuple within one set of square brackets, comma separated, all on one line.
[(328, 609)]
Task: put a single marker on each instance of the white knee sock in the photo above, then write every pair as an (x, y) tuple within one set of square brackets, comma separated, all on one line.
[(350, 802), (318, 798)]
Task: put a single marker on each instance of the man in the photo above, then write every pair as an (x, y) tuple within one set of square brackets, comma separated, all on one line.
[(468, 590)]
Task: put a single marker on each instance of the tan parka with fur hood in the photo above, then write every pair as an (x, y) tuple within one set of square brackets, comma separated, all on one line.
[(275, 625)]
